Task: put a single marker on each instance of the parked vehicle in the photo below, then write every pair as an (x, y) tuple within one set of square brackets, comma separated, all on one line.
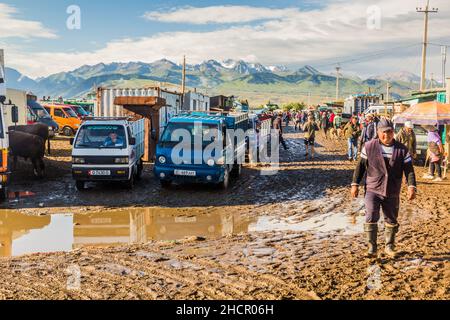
[(108, 149), (37, 113), (65, 117), (4, 141), (379, 110), (199, 163), (79, 110), (421, 138), (4, 168)]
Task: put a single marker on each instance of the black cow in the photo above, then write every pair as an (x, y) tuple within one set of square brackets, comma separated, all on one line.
[(28, 146), (38, 129)]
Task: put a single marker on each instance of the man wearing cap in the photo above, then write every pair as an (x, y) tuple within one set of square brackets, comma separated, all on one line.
[(384, 161), (369, 131), (407, 136)]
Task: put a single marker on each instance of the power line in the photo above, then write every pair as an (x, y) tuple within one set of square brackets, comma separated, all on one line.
[(377, 53)]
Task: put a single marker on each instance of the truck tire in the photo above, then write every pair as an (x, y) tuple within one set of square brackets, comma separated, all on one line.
[(3, 194), (226, 179), (165, 184), (237, 170), (140, 168), (80, 185), (68, 132), (130, 183)]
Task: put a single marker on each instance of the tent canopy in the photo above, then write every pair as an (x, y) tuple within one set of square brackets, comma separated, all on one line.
[(427, 113)]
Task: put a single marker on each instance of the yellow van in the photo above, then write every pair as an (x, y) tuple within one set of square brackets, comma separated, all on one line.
[(65, 117)]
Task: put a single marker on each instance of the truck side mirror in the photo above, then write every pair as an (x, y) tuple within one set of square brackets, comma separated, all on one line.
[(14, 114), (71, 141), (132, 141)]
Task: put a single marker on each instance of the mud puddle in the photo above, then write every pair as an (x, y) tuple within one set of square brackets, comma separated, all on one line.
[(348, 224), (21, 234)]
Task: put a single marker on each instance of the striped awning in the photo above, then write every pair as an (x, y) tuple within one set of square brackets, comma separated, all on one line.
[(427, 113)]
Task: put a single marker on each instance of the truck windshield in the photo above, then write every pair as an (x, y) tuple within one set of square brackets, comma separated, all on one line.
[(70, 113), (38, 110), (101, 136), (203, 130), (80, 111)]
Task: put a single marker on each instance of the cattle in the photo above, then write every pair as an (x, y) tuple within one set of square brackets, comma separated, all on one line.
[(38, 129), (28, 146)]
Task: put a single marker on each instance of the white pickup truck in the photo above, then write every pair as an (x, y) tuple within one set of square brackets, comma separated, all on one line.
[(108, 149)]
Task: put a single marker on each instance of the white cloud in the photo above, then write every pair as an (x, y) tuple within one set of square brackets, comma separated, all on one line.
[(13, 27), (298, 37), (219, 14)]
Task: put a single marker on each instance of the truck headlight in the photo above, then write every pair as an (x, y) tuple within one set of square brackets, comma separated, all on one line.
[(211, 162), (78, 160), (162, 159), (121, 160)]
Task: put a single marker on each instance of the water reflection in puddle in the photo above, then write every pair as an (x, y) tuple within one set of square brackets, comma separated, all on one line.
[(21, 234)]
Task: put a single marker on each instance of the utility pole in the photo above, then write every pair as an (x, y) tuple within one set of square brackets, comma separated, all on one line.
[(426, 11), (183, 81), (444, 61), (338, 68), (388, 88)]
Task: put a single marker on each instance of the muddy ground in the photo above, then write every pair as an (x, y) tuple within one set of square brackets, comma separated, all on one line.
[(296, 235)]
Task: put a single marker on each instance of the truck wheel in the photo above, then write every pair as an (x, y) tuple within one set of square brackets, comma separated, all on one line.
[(68, 132), (80, 185), (237, 170), (165, 184), (3, 194), (226, 179), (130, 183), (140, 168)]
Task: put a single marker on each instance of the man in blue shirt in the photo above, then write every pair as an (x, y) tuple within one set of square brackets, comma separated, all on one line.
[(113, 140)]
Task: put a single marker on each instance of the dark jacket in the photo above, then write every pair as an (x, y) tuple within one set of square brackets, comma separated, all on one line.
[(408, 139), (352, 131), (382, 179)]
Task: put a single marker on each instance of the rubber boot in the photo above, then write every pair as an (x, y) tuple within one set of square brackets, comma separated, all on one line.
[(371, 230), (390, 230)]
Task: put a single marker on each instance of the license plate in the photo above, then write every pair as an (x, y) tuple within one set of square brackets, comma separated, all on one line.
[(99, 173), (185, 173), (419, 151)]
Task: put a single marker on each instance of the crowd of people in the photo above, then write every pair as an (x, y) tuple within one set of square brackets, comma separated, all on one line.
[(358, 131)]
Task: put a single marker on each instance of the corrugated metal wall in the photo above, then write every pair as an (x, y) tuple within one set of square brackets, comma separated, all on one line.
[(105, 107)]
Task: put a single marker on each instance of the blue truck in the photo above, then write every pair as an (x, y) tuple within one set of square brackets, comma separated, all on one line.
[(185, 152)]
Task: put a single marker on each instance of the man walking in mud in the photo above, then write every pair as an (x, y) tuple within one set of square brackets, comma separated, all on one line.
[(384, 160), (278, 126)]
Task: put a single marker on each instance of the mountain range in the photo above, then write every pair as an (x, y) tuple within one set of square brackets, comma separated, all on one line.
[(252, 81)]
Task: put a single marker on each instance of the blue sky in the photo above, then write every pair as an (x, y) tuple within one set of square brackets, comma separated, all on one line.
[(292, 33), (104, 20)]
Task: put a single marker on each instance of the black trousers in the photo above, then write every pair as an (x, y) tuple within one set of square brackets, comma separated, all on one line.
[(436, 166), (390, 206)]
